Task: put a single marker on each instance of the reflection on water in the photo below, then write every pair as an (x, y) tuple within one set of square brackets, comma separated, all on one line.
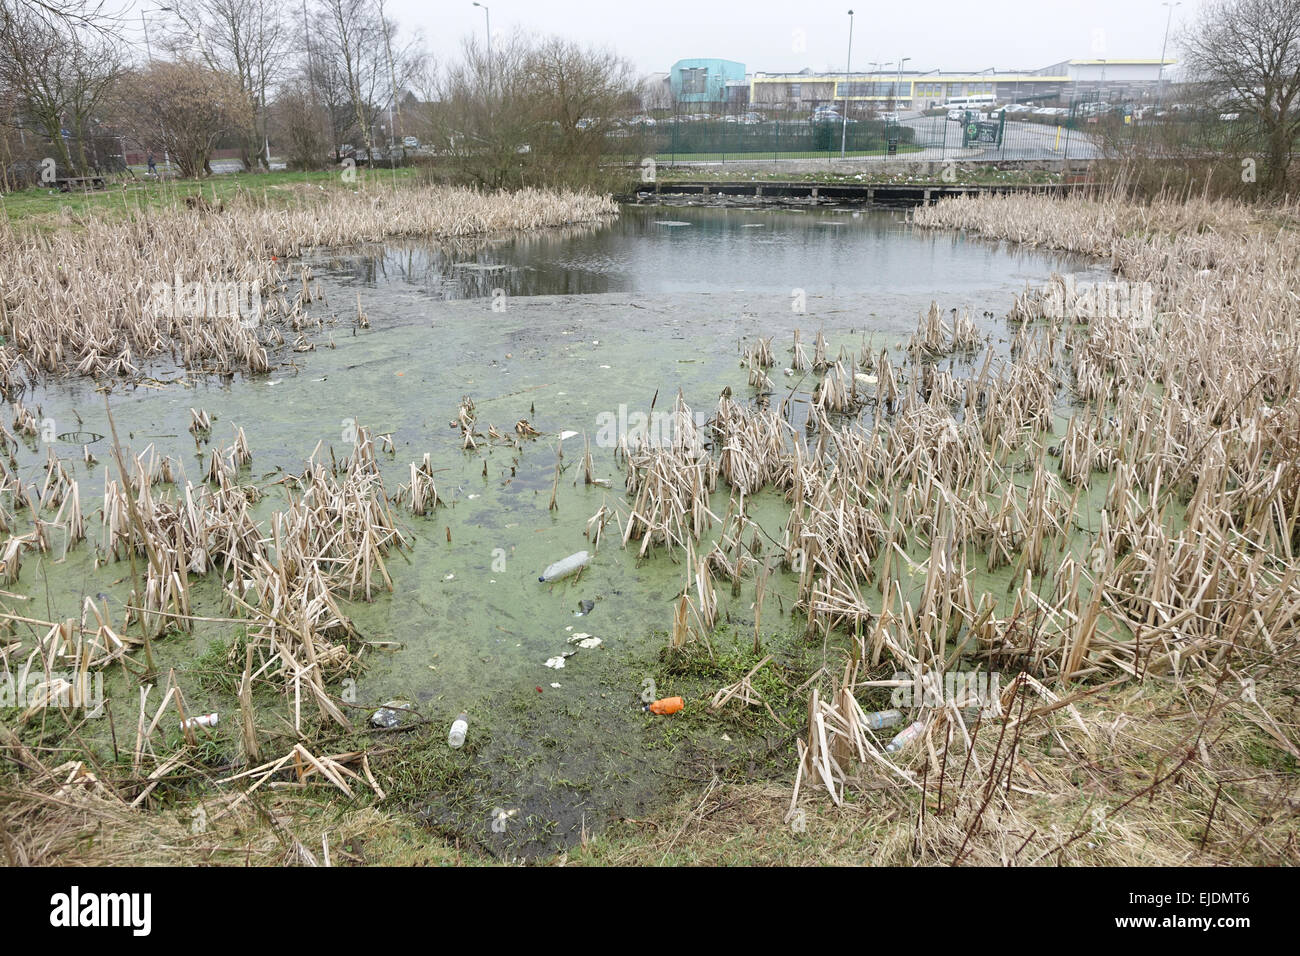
[(699, 249)]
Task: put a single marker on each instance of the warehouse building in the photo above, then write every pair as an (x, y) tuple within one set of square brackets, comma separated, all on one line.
[(1064, 81), (707, 81)]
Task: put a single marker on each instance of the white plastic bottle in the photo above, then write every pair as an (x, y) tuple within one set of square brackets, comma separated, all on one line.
[(880, 719), (565, 567), (908, 734), (203, 720), (456, 739)]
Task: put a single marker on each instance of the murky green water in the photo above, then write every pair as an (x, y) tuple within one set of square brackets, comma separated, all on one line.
[(586, 321)]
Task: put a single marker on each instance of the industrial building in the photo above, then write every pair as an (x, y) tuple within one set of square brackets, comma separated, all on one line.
[(724, 85), (710, 81)]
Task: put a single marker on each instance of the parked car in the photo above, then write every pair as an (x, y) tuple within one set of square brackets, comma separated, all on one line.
[(410, 142)]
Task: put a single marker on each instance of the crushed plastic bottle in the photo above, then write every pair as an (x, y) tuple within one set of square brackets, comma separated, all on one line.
[(665, 706), (565, 567), (456, 739), (906, 736), (880, 719)]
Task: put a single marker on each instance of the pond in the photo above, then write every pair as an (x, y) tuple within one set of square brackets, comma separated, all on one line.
[(564, 329)]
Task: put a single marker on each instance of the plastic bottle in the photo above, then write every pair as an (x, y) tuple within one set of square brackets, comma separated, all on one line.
[(562, 568), (880, 719), (456, 739), (908, 734), (203, 720), (665, 706)]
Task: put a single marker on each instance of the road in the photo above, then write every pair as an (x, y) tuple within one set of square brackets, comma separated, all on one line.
[(1020, 140)]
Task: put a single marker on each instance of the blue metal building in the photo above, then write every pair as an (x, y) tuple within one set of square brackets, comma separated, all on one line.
[(704, 80)]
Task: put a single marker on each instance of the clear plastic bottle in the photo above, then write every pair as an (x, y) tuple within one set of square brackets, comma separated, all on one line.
[(456, 739), (880, 719), (565, 567), (906, 736)]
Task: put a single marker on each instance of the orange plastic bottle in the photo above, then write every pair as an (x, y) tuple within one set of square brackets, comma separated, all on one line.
[(669, 705)]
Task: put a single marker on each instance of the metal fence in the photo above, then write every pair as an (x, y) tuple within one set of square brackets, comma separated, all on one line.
[(752, 137)]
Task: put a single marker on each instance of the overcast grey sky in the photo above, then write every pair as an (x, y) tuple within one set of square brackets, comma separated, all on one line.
[(763, 34)]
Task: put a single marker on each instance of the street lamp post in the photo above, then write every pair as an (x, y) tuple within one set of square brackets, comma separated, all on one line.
[(487, 16), (1160, 83), (898, 82), (167, 160), (848, 69)]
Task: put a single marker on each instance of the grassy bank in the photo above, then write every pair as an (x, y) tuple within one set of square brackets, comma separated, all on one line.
[(127, 198)]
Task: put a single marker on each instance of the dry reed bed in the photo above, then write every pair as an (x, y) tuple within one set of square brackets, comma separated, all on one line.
[(328, 542), (1180, 566), (84, 302), (285, 577), (1192, 570)]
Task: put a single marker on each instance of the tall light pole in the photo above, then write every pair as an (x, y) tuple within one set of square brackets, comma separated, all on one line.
[(875, 83), (149, 52), (918, 76), (898, 81), (848, 70), (145, 25), (1160, 83), (487, 16)]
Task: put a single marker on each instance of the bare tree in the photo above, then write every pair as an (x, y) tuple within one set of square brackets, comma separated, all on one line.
[(74, 14), (485, 119), (186, 107), (296, 118), (1249, 50), (55, 72), (539, 112), (248, 39), (349, 35)]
